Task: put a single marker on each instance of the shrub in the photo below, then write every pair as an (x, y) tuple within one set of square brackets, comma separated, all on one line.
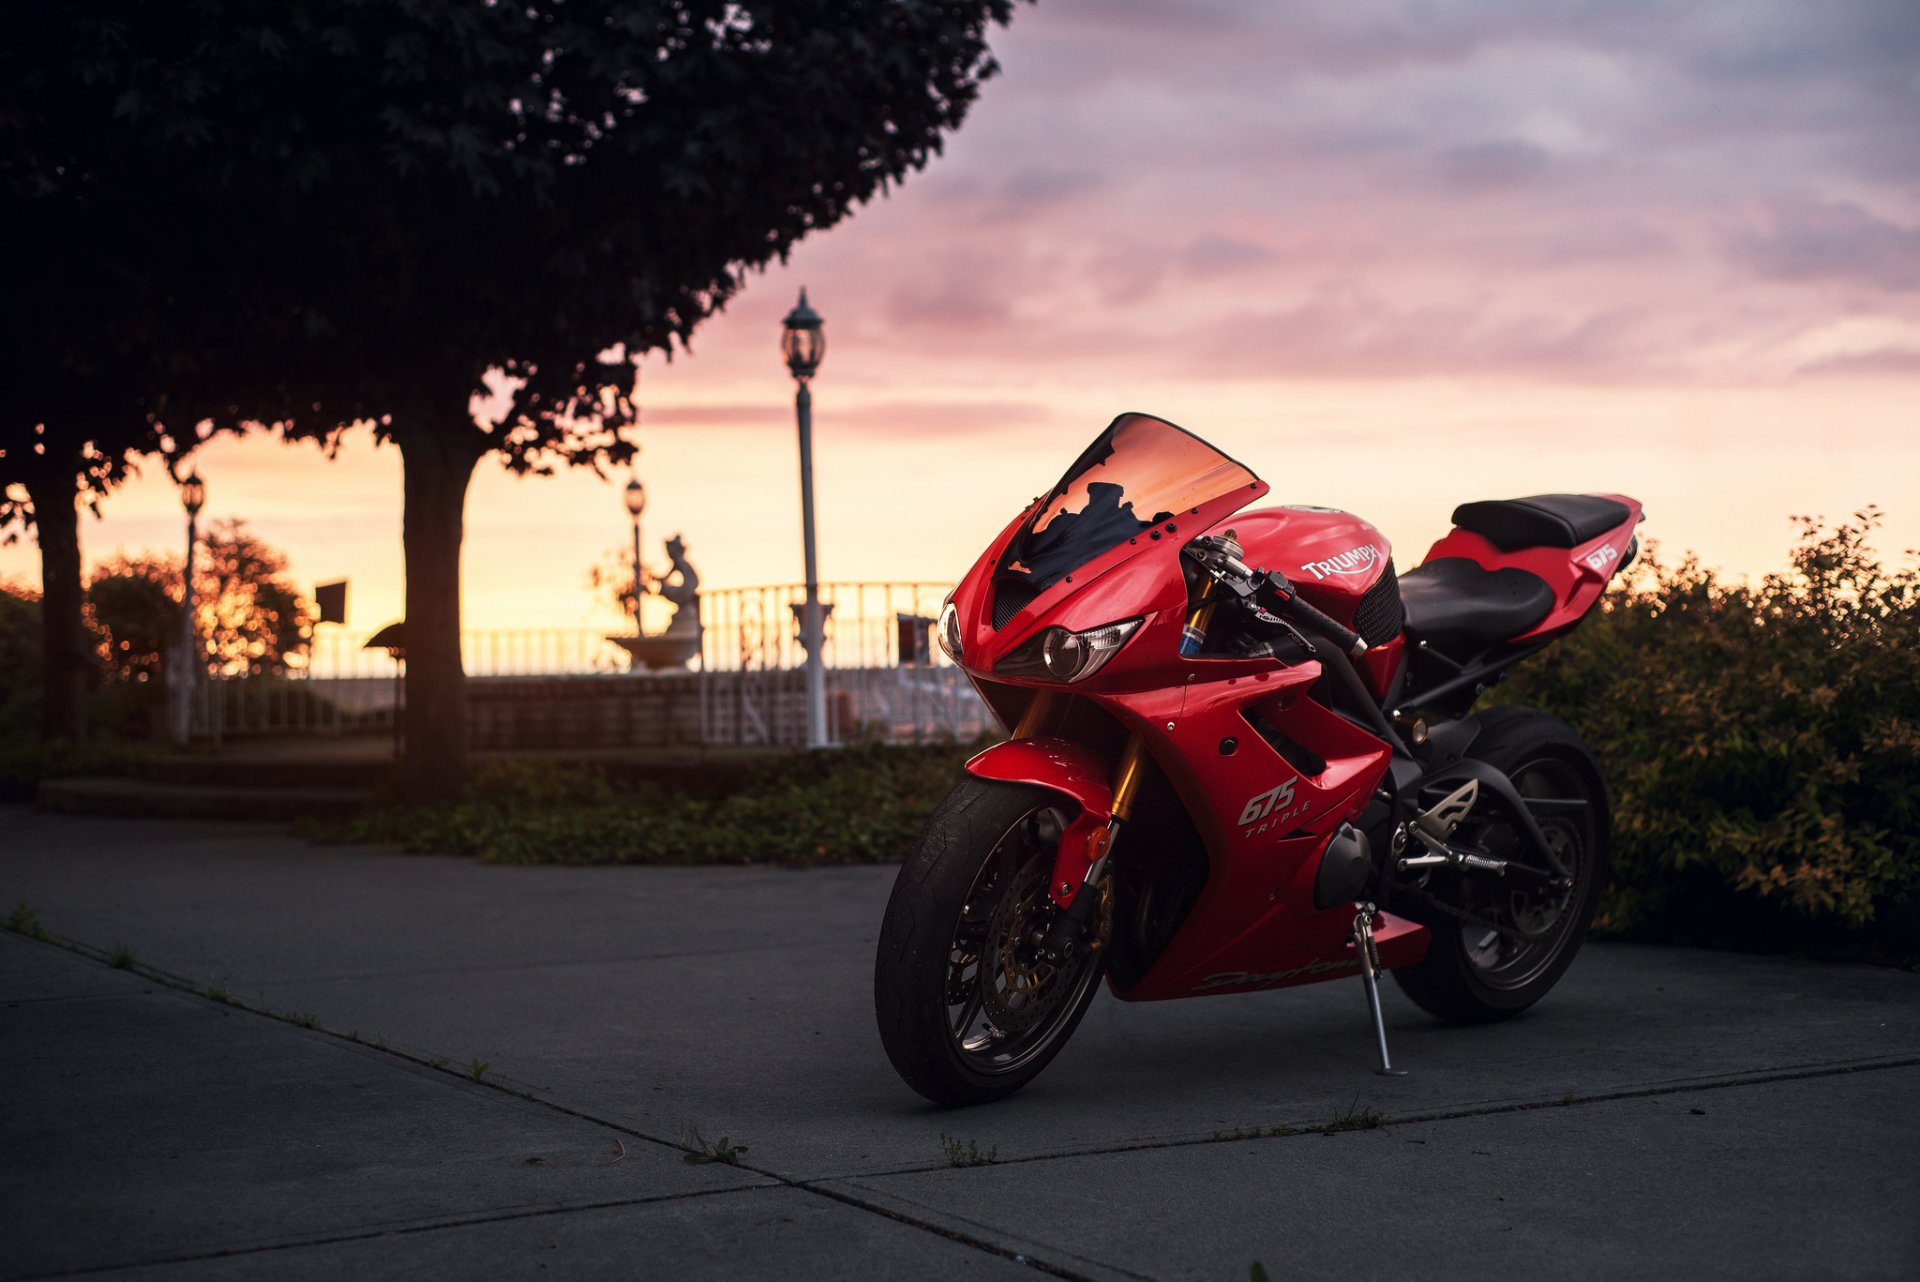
[(1762, 745), (857, 805), (24, 764), (19, 659)]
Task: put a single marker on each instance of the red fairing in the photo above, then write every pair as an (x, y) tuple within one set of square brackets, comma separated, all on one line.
[(1094, 595), (1577, 575), (1255, 925)]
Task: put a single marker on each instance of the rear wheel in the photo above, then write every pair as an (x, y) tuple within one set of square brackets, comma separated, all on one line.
[(1503, 947), (968, 1009)]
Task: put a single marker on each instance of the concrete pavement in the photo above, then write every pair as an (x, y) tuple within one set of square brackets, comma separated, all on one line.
[(1666, 1111)]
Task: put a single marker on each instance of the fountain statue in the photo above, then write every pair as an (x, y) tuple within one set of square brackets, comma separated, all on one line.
[(680, 641)]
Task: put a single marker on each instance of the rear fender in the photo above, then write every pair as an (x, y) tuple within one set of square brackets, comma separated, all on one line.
[(1076, 773)]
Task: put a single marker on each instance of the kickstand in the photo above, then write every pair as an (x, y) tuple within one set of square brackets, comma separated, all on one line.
[(1370, 976)]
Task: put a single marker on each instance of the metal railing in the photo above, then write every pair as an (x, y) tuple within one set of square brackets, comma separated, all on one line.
[(742, 629), (746, 684)]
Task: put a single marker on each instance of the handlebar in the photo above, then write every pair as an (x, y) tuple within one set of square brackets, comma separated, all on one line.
[(1296, 607), (1256, 590)]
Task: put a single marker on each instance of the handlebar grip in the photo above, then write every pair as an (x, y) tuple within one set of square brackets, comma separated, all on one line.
[(1310, 616)]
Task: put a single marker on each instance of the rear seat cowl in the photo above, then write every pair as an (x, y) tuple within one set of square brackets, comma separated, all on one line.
[(1544, 520)]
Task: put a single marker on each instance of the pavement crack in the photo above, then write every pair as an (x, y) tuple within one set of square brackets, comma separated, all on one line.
[(434, 1226), (484, 968), (71, 997), (953, 1235), (1760, 1078)]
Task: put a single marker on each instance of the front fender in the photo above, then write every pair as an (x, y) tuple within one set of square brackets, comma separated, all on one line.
[(1072, 770)]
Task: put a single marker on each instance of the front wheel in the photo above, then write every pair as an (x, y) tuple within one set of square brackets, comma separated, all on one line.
[(968, 1009), (1497, 949)]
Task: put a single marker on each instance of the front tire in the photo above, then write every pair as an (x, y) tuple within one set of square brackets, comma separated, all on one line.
[(1482, 973), (968, 1012)]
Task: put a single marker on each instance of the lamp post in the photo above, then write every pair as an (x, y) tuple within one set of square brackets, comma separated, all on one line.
[(193, 496), (636, 504), (803, 344)]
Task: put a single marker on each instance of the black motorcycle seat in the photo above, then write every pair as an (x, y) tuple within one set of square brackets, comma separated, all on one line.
[(1456, 598), (1543, 521)]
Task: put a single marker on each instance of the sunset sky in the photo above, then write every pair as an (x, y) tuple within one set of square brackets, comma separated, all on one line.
[(1392, 256)]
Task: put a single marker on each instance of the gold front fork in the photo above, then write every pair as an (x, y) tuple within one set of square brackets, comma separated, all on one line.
[(1037, 720), (1194, 635), (1126, 778), (1126, 783), (1127, 773)]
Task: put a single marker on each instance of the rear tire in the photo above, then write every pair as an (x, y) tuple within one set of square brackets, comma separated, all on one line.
[(1475, 976), (972, 890)]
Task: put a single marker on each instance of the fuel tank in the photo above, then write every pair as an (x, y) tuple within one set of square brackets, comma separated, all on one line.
[(1333, 558)]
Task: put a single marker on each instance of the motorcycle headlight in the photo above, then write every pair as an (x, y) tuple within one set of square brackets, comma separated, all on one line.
[(949, 631), (1060, 655)]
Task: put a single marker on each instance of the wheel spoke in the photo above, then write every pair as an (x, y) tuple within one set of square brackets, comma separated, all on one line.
[(970, 1011)]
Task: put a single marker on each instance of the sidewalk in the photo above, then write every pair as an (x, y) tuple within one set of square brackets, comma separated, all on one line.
[(1665, 1113)]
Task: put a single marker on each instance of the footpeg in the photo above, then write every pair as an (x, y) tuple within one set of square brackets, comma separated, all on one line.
[(1370, 976)]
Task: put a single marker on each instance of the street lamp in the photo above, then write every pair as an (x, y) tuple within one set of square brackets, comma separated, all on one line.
[(803, 343), (636, 504), (193, 496)]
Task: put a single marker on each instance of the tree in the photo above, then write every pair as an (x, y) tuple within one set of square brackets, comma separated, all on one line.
[(115, 320), (249, 618), (45, 477), (133, 607), (415, 196)]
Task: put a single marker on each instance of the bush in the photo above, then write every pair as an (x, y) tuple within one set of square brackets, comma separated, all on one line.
[(19, 660), (1762, 745), (855, 806), (23, 764)]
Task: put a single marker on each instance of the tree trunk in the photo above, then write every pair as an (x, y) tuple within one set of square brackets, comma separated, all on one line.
[(63, 635), (437, 467)]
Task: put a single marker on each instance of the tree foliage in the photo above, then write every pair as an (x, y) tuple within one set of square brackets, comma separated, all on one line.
[(1762, 742), (249, 618), (380, 201), (133, 610)]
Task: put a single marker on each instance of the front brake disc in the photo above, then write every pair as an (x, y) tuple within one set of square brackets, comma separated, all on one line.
[(1018, 986)]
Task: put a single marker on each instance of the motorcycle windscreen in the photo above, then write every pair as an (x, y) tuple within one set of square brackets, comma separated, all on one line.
[(1139, 473)]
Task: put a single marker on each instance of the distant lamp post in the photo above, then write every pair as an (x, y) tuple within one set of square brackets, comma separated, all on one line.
[(193, 497), (636, 504), (803, 343)]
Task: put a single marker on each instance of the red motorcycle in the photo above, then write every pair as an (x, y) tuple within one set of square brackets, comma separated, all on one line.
[(1245, 756)]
